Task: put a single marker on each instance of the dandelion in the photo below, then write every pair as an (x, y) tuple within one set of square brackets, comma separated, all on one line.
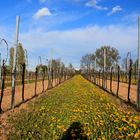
[(136, 135)]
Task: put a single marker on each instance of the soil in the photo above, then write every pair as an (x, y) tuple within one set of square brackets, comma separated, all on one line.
[(29, 93), (123, 90)]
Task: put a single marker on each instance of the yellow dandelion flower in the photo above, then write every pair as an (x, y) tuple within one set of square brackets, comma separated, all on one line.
[(136, 135)]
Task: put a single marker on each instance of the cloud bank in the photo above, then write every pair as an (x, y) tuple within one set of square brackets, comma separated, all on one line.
[(70, 45)]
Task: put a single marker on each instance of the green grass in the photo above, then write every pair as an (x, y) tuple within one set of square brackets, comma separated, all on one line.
[(76, 109)]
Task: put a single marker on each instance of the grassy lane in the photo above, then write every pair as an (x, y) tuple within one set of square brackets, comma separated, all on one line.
[(78, 110)]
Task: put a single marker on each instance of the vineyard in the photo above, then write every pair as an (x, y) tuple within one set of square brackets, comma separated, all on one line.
[(69, 70), (54, 101), (75, 110)]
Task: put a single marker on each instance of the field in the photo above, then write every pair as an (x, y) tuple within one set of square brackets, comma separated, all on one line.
[(76, 109)]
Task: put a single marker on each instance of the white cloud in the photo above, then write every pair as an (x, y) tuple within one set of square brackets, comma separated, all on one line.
[(70, 45), (42, 13), (115, 10), (94, 3)]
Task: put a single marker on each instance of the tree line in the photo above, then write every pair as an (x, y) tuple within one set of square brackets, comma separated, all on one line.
[(54, 65), (91, 60)]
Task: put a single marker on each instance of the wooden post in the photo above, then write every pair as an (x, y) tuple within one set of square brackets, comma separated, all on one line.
[(43, 79), (36, 74), (129, 83), (111, 79), (23, 80), (3, 84), (118, 80)]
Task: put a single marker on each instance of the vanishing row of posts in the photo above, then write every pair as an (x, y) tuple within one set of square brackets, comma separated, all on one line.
[(48, 73), (108, 75), (104, 73)]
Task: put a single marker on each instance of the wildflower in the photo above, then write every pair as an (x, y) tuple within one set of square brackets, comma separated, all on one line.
[(136, 135)]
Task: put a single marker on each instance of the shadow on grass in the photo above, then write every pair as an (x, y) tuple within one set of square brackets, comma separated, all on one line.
[(74, 132)]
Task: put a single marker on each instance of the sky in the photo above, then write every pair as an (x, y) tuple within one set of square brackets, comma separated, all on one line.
[(69, 29)]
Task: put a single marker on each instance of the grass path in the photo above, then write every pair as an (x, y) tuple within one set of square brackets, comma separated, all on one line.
[(75, 110)]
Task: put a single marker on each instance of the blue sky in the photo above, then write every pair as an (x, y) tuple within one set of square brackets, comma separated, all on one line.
[(71, 27)]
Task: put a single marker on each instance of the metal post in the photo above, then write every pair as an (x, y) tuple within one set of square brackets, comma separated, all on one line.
[(104, 85), (40, 60), (27, 72), (138, 92), (51, 68), (39, 63), (14, 63), (128, 64), (95, 70)]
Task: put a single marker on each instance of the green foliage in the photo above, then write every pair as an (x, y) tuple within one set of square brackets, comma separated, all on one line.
[(88, 60), (112, 56), (20, 57), (20, 54), (11, 57), (41, 68)]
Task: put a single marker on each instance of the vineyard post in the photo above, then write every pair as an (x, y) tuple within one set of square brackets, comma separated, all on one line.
[(3, 84), (14, 63), (127, 65), (27, 72), (43, 79), (36, 74), (95, 69), (111, 79), (52, 76), (138, 92), (49, 76), (129, 84), (118, 85), (99, 78), (47, 70), (104, 71), (51, 67), (135, 72), (23, 80), (4, 61), (60, 72), (39, 63)]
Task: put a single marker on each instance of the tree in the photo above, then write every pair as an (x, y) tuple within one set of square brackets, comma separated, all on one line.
[(71, 69), (87, 62), (11, 57), (20, 56), (112, 56)]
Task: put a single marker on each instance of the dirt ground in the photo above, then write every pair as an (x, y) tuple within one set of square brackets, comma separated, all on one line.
[(6, 103), (123, 89), (29, 92)]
